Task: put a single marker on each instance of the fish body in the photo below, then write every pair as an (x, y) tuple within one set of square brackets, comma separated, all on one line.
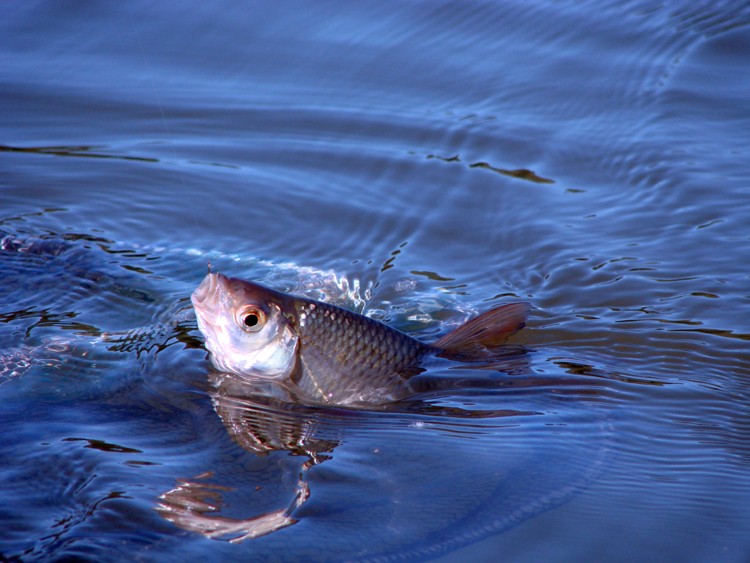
[(326, 354)]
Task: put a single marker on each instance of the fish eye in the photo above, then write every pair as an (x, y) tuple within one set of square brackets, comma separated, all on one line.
[(251, 319)]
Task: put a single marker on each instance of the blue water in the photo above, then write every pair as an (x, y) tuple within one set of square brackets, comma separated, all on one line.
[(416, 161)]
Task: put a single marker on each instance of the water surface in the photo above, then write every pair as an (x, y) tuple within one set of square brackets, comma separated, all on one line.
[(418, 162)]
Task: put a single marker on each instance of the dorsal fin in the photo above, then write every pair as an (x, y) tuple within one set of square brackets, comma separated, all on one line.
[(488, 330)]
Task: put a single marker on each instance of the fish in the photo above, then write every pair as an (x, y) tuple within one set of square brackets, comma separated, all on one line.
[(324, 354)]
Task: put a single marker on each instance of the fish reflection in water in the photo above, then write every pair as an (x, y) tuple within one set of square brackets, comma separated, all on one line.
[(259, 417), (260, 423)]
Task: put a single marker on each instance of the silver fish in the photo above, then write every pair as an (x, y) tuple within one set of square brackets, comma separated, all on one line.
[(325, 354)]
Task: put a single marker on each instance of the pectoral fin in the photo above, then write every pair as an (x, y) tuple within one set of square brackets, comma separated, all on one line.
[(485, 332)]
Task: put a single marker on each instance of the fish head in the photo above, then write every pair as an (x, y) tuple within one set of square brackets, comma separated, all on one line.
[(247, 328)]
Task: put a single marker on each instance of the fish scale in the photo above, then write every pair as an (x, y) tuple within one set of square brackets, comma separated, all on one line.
[(377, 360)]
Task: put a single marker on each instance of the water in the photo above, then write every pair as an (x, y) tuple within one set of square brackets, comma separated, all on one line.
[(419, 162)]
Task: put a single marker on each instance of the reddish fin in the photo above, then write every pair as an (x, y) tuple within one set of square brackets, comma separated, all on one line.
[(488, 330)]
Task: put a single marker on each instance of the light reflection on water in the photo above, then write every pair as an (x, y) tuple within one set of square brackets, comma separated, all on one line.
[(420, 163)]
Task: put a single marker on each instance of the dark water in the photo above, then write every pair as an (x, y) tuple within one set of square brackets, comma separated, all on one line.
[(420, 162)]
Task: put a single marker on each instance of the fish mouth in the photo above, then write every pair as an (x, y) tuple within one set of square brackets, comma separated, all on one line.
[(208, 290)]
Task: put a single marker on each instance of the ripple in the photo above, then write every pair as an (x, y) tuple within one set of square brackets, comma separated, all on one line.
[(294, 147)]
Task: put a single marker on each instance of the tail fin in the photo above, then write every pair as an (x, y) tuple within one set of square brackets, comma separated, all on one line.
[(485, 332)]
